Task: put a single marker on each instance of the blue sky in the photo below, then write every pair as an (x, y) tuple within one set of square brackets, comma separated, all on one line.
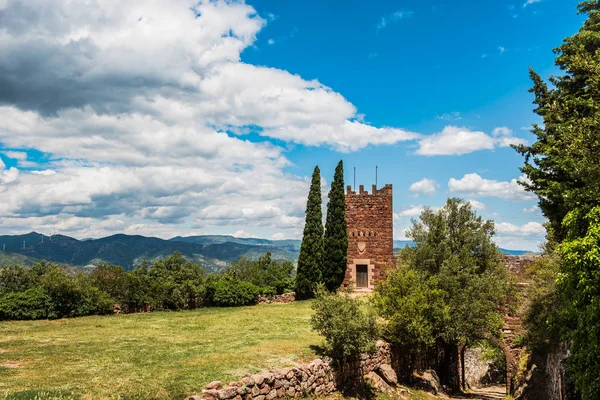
[(159, 121)]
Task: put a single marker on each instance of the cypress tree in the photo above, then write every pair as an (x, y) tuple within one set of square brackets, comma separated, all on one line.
[(335, 242), (311, 250)]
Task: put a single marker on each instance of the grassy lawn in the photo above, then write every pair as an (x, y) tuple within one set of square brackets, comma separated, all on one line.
[(155, 355)]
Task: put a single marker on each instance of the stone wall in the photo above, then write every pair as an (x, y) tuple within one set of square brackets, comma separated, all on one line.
[(318, 378), (518, 265), (277, 298), (370, 226)]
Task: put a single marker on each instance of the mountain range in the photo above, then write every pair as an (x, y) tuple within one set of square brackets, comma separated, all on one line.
[(213, 252)]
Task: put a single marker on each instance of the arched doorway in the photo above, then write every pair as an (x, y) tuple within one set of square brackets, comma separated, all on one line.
[(487, 363)]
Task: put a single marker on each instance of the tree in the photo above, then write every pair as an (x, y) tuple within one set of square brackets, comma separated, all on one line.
[(311, 249), (563, 166), (347, 324), (580, 282), (563, 169), (335, 242), (412, 306), (457, 257)]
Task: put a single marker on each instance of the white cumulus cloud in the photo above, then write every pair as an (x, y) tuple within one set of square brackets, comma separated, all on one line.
[(475, 185), (425, 186), (453, 140)]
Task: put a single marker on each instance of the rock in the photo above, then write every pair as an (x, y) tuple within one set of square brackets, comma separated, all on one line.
[(255, 391), (429, 382), (193, 398), (272, 394), (258, 379), (388, 373), (264, 389), (269, 378), (280, 392), (242, 390), (248, 381), (214, 385), (227, 393), (210, 393), (234, 384), (377, 382), (259, 398)]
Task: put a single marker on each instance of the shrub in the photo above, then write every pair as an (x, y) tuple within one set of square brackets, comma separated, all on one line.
[(413, 308), (33, 303), (230, 291), (272, 277), (347, 324)]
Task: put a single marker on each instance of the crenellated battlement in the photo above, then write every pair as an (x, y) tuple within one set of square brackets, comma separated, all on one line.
[(386, 190)]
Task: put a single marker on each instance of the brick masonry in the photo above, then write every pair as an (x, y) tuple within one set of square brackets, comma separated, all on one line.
[(370, 222)]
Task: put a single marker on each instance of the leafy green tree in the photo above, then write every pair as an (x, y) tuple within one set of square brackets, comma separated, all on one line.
[(454, 249), (271, 276), (335, 241), (547, 319), (347, 324), (580, 282), (563, 166), (413, 308), (310, 259)]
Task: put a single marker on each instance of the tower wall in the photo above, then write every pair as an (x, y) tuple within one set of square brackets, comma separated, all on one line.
[(370, 222)]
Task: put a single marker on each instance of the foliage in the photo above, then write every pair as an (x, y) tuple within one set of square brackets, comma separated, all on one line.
[(33, 303), (49, 291), (335, 241), (176, 283), (230, 291), (412, 307), (580, 282), (455, 246), (563, 166), (270, 276), (546, 319), (311, 250), (347, 324)]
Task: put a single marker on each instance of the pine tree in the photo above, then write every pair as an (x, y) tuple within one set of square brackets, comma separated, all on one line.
[(311, 250), (335, 242)]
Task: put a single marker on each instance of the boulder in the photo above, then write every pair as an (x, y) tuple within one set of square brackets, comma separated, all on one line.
[(377, 382), (272, 394), (429, 382), (387, 372)]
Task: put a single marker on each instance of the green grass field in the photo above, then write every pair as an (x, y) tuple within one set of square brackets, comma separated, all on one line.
[(159, 355)]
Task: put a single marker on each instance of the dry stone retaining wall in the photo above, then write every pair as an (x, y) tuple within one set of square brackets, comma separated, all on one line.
[(277, 298), (318, 378)]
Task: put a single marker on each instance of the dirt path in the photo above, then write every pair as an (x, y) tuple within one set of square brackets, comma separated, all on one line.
[(486, 393)]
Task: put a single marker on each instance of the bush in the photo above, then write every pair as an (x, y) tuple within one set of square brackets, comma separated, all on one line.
[(272, 277), (230, 291), (413, 308), (33, 303), (348, 324)]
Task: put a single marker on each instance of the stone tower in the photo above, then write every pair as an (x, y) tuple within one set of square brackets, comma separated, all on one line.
[(370, 221)]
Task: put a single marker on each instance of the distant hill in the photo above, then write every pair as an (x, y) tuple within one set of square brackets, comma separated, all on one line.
[(213, 252), (400, 244)]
